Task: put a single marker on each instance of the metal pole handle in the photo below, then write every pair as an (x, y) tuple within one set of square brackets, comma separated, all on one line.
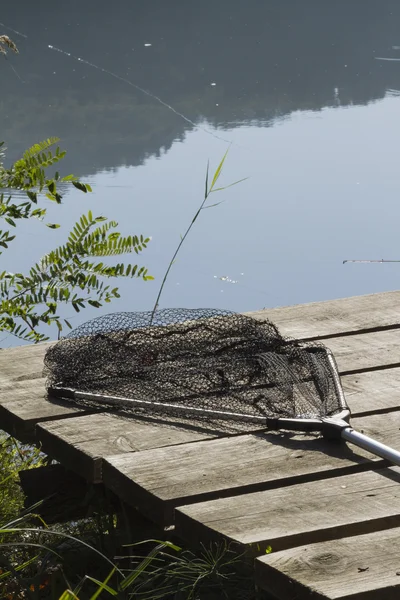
[(373, 446)]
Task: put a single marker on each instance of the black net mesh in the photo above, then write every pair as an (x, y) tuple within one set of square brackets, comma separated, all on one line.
[(207, 360)]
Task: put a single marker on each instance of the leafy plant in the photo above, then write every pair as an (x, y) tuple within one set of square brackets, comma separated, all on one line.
[(159, 569), (14, 457), (68, 274)]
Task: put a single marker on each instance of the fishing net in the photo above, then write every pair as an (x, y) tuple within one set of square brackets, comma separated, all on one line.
[(194, 362)]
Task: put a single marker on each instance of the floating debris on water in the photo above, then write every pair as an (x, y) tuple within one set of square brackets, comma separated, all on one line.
[(226, 278)]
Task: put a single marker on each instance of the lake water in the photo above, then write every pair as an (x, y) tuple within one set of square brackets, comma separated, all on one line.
[(144, 93)]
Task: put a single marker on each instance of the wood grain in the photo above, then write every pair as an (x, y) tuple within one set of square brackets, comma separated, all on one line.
[(372, 391), (82, 443), (364, 567), (161, 479), (296, 515), (366, 351), (23, 362), (24, 403), (322, 319)]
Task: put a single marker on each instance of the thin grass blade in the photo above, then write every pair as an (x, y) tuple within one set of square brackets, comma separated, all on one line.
[(103, 586), (229, 185), (68, 595), (218, 171)]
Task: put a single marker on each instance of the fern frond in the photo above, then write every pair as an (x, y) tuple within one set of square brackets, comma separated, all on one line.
[(42, 146)]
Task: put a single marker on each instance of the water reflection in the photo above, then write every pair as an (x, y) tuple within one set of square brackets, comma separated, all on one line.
[(162, 86), (227, 64)]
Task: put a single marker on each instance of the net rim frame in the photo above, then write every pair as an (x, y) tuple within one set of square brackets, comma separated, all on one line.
[(293, 424)]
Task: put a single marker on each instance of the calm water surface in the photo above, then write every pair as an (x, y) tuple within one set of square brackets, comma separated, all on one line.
[(144, 93)]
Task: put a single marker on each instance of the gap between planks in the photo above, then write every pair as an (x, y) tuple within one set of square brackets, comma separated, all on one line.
[(297, 515), (159, 480), (333, 317)]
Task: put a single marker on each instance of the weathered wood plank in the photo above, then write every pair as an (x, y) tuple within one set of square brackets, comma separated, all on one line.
[(296, 515), (321, 319), (366, 351), (23, 362), (373, 391), (24, 403), (81, 444), (365, 567), (161, 479)]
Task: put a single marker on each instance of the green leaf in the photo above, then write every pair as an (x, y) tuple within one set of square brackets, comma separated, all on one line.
[(103, 585), (52, 225), (51, 186), (229, 185), (94, 303), (80, 186), (218, 171), (32, 196), (68, 595)]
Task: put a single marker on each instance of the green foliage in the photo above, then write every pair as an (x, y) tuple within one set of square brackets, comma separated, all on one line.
[(13, 457), (70, 274), (150, 569)]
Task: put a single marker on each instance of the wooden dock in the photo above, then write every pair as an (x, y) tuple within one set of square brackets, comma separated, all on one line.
[(330, 512)]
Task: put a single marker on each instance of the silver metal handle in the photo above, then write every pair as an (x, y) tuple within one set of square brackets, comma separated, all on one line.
[(373, 446), (263, 422)]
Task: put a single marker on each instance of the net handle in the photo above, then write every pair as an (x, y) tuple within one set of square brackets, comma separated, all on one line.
[(300, 424), (333, 427), (338, 427), (363, 441)]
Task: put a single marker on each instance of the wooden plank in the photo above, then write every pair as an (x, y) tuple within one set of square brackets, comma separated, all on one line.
[(24, 403), (23, 362), (365, 567), (366, 351), (324, 319), (296, 515), (373, 391), (81, 444), (158, 480)]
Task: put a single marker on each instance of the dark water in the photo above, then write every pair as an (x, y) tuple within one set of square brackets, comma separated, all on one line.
[(295, 88)]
